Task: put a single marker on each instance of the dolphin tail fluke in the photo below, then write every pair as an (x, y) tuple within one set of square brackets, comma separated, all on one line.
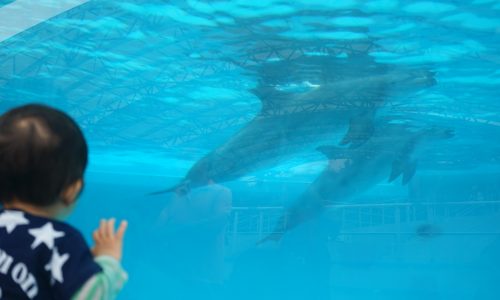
[(360, 130)]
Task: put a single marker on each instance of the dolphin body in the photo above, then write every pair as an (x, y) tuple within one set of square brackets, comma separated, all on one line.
[(291, 121), (387, 155)]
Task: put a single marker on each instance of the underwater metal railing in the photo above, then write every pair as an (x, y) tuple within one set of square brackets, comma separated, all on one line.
[(250, 224)]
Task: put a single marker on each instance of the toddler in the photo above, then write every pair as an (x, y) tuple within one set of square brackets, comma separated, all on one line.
[(43, 156)]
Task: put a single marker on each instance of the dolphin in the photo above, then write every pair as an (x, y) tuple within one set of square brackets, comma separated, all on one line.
[(291, 121), (387, 155)]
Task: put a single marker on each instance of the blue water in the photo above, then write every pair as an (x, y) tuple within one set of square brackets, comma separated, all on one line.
[(157, 85)]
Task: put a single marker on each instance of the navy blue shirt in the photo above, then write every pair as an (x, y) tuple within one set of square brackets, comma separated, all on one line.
[(41, 258)]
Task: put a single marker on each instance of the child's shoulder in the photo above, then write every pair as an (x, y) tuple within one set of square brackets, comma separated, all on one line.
[(25, 228), (51, 252)]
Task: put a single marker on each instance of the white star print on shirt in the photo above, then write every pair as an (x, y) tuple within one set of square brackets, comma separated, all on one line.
[(55, 265), (11, 219), (45, 234)]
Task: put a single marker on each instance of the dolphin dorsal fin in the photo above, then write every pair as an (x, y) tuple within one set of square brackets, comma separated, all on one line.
[(333, 152), (360, 130), (269, 97)]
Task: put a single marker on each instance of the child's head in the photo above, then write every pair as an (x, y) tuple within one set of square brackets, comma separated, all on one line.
[(43, 154)]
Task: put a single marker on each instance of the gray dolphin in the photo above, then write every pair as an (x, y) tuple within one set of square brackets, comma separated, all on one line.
[(291, 121), (387, 155)]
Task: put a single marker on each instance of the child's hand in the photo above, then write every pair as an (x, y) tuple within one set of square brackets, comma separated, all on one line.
[(107, 241)]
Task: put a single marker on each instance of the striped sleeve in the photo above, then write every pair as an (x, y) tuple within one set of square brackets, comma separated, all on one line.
[(105, 285)]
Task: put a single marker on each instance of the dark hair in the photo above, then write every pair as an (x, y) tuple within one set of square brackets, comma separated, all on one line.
[(42, 152)]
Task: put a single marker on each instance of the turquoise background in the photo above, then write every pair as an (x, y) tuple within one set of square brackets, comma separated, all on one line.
[(155, 85)]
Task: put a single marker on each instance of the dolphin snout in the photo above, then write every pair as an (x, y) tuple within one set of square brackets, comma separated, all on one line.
[(427, 78), (449, 133), (417, 79), (431, 77)]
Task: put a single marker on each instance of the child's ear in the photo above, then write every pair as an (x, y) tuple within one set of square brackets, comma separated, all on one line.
[(70, 194)]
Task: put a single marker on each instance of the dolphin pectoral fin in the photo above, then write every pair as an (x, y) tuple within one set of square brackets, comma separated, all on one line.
[(181, 189), (397, 169), (275, 236), (427, 230), (160, 192), (333, 152), (360, 130), (409, 171), (405, 168), (278, 232)]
